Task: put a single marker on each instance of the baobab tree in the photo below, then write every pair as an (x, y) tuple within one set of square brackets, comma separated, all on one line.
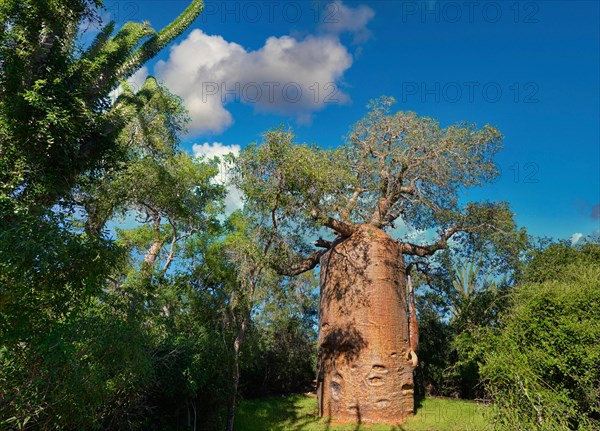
[(396, 170)]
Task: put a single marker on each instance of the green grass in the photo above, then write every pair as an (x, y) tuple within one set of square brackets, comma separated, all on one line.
[(299, 413)]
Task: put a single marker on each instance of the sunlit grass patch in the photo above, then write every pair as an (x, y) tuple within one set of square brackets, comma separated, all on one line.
[(299, 413)]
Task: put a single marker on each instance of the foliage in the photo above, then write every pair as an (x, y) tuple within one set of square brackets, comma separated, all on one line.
[(449, 354), (151, 169), (67, 375), (548, 263), (76, 351), (435, 338), (281, 349), (411, 167), (462, 295), (383, 155), (188, 359), (240, 269), (288, 179), (542, 367), (56, 118)]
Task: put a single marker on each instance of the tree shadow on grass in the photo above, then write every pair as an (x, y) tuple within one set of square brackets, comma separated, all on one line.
[(296, 413), (360, 426), (418, 403), (297, 417), (289, 413)]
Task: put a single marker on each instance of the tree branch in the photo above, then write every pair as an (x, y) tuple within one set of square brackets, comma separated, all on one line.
[(415, 264), (157, 243), (383, 215), (157, 42), (351, 203), (428, 250), (344, 229), (171, 255), (323, 243), (306, 265), (411, 189)]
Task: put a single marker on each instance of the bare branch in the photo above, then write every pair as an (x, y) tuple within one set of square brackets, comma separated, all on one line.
[(343, 228), (384, 213), (174, 241), (306, 265), (416, 265), (351, 203), (157, 243), (323, 243), (411, 189), (428, 250), (171, 254)]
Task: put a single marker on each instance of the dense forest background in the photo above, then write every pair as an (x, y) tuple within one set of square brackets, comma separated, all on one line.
[(168, 324)]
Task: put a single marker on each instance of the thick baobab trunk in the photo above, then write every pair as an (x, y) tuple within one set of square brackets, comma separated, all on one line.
[(365, 370)]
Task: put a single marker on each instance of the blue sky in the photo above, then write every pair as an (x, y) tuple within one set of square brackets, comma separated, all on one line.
[(529, 68)]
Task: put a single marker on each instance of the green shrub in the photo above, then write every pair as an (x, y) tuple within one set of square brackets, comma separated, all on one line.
[(542, 368), (547, 264)]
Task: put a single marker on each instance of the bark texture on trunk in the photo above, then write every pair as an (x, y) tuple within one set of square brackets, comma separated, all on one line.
[(365, 374), (413, 323)]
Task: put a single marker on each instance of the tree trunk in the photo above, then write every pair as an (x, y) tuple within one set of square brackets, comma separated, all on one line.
[(413, 323), (156, 246), (235, 380), (232, 398), (365, 374)]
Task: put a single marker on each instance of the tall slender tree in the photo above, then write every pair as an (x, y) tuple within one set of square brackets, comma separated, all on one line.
[(239, 268), (395, 168), (57, 119)]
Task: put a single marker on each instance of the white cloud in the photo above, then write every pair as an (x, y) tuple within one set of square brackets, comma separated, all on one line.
[(289, 75), (343, 19), (286, 76), (575, 238), (138, 78), (234, 199), (215, 149), (406, 232), (135, 82)]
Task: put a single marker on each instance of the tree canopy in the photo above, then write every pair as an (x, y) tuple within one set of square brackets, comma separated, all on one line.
[(394, 169)]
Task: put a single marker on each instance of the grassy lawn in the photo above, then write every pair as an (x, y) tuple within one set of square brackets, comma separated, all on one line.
[(299, 413)]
